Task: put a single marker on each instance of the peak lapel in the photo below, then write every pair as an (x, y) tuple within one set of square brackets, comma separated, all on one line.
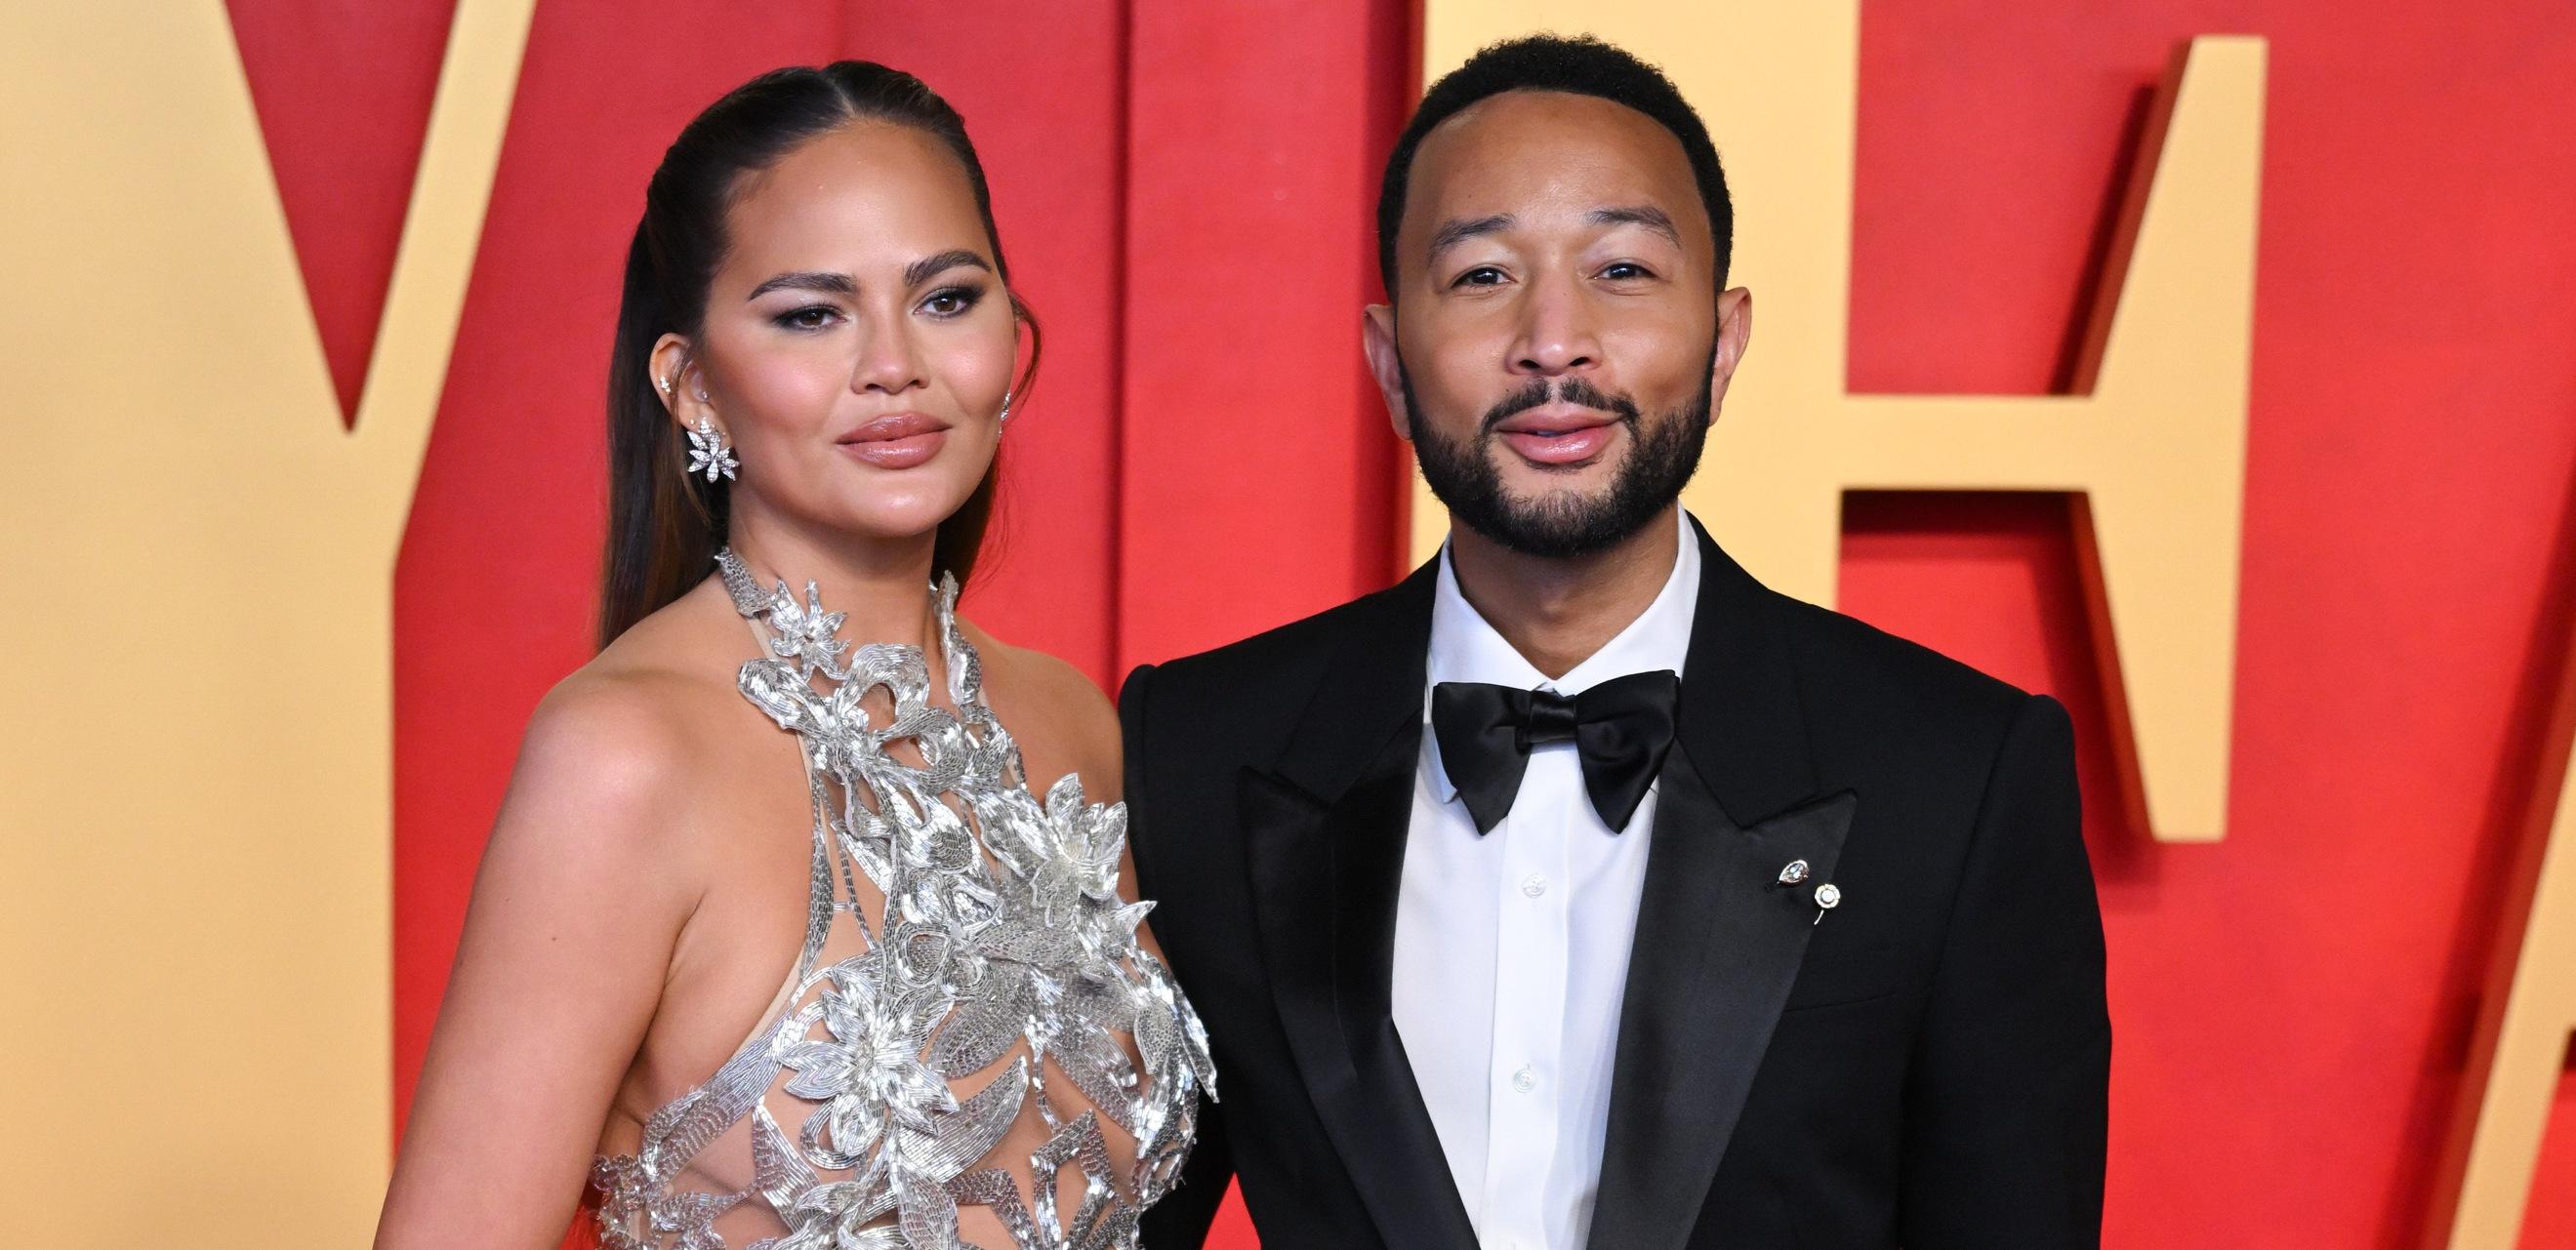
[(1718, 946), (1718, 940), (1740, 716), (1324, 835), (1371, 687)]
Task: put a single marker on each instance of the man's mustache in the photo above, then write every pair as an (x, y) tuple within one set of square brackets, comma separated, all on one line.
[(1576, 391)]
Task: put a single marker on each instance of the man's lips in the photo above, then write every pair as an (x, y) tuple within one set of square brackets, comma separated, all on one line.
[(1559, 434), (897, 440)]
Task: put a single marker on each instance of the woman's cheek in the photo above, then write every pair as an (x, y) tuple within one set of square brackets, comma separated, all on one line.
[(982, 375)]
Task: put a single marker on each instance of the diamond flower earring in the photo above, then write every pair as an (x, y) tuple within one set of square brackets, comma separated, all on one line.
[(710, 454)]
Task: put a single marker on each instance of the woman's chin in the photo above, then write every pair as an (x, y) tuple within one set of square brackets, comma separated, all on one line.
[(883, 524), (885, 507)]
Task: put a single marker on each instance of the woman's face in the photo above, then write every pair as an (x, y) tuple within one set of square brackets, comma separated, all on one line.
[(857, 344)]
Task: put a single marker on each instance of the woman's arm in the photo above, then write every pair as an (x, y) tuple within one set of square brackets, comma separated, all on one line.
[(576, 909)]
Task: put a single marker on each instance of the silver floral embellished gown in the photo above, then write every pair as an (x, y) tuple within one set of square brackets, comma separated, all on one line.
[(867, 1107)]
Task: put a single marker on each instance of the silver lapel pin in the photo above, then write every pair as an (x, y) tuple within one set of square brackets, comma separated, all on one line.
[(1794, 873), (1828, 897)]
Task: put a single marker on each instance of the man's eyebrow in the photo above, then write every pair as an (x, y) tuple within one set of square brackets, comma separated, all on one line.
[(807, 280), (927, 267), (1646, 215), (1458, 230)]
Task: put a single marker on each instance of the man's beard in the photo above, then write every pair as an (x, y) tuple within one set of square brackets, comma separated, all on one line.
[(1562, 524)]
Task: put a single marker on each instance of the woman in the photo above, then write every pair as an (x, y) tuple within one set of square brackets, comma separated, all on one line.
[(851, 984)]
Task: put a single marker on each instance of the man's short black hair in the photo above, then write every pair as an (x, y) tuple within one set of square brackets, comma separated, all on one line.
[(1580, 65)]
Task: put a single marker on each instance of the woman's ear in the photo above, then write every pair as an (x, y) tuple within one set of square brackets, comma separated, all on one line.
[(673, 374)]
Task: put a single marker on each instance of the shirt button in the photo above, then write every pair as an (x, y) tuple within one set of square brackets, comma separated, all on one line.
[(1533, 885), (1525, 1080)]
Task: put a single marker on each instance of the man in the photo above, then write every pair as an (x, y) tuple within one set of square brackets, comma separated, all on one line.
[(1579, 890)]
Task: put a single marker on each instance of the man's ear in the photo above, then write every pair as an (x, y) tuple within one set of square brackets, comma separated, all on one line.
[(672, 374), (1377, 340), (1734, 334)]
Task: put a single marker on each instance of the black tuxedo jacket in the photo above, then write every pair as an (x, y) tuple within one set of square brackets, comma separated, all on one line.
[(1925, 1067)]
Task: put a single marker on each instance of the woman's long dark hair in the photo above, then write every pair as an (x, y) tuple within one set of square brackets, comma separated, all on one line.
[(665, 525)]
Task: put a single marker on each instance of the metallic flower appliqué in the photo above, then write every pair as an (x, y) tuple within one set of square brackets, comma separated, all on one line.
[(1001, 936)]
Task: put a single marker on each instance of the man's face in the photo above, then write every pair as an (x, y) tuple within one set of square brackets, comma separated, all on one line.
[(1557, 344)]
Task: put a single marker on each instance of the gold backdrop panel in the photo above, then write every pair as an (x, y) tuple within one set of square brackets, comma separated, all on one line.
[(195, 798), (2156, 444)]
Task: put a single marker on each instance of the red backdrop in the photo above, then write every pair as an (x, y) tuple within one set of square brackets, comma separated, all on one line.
[(1185, 191)]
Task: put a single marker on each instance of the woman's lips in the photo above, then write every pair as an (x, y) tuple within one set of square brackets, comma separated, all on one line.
[(1570, 446), (896, 442)]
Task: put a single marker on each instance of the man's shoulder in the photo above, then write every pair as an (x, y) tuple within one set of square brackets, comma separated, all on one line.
[(1242, 703), (1286, 661), (1858, 678)]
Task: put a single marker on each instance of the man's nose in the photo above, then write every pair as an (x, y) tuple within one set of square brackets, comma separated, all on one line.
[(1557, 336)]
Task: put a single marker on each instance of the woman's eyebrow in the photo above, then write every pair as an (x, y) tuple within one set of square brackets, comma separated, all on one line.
[(914, 274), (924, 269), (807, 280)]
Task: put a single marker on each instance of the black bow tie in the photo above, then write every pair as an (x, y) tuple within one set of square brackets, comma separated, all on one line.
[(1621, 728)]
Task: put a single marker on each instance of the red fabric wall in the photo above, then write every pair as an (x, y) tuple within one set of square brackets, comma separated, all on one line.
[(1185, 191), (2293, 1004)]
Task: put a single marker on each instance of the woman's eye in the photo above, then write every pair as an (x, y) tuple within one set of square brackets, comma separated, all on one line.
[(810, 317), (1481, 275), (951, 301)]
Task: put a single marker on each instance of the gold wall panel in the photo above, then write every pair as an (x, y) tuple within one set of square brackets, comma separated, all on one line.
[(2484, 1180), (2156, 442), (195, 780)]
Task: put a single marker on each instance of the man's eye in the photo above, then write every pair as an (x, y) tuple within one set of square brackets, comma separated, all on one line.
[(1481, 275), (1624, 270)]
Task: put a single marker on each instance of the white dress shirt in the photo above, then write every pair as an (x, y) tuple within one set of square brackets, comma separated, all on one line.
[(1511, 949)]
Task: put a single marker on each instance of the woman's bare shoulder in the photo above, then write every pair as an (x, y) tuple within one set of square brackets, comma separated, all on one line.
[(1044, 698), (612, 732), (615, 746)]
